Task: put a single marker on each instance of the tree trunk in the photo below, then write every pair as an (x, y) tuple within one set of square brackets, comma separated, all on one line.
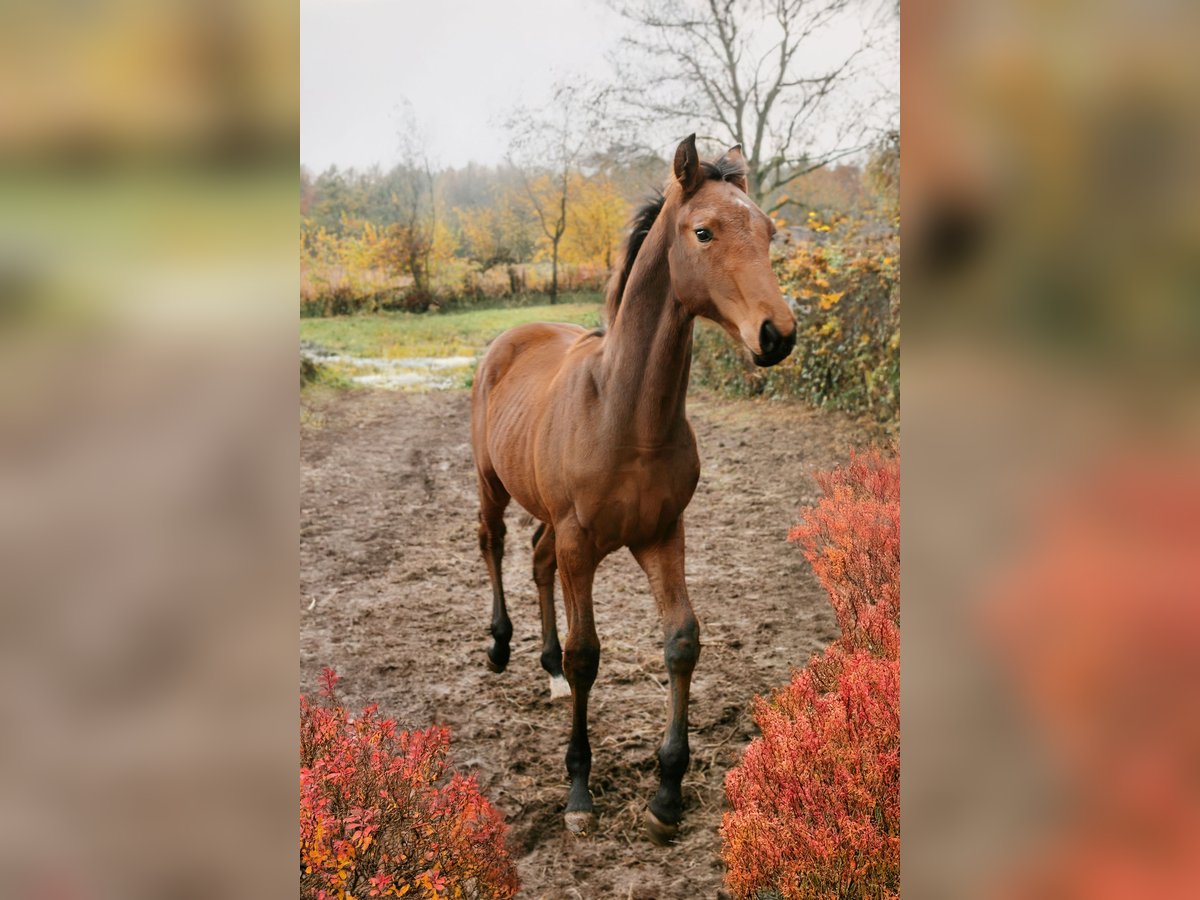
[(755, 177), (554, 272), (417, 269)]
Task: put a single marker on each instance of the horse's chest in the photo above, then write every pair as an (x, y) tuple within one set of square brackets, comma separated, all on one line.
[(637, 498)]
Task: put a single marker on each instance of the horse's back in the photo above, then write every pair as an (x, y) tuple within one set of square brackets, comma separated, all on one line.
[(511, 393), (537, 345)]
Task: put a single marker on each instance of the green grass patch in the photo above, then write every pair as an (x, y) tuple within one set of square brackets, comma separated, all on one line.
[(318, 374), (394, 335)]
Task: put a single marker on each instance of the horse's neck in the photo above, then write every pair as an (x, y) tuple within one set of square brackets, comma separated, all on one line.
[(648, 349)]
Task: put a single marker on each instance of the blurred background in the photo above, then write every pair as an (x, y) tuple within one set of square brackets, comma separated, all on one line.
[(1051, 201), (147, 448)]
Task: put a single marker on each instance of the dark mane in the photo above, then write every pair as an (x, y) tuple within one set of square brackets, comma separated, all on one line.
[(723, 169), (639, 226)]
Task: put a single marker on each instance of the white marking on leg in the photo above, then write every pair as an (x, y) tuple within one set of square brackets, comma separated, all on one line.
[(559, 687)]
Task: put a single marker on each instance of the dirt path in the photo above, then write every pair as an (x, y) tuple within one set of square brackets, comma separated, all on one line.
[(400, 607)]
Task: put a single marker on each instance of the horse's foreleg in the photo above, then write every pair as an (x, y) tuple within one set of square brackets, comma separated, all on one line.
[(663, 565), (493, 499), (545, 565), (581, 662)]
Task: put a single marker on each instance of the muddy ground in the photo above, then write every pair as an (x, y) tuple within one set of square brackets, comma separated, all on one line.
[(395, 597)]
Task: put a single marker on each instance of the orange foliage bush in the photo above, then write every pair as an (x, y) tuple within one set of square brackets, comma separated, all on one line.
[(380, 818), (851, 537), (815, 802)]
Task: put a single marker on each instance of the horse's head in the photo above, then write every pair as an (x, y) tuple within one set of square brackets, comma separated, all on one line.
[(719, 256)]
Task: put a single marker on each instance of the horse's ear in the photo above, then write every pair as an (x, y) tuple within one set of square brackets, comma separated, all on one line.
[(738, 179), (687, 166)]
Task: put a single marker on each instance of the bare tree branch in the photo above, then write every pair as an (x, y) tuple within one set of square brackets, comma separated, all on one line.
[(742, 69)]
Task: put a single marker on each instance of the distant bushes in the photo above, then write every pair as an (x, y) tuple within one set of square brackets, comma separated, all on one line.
[(847, 303), (843, 278), (815, 802), (533, 278), (340, 291), (383, 815)]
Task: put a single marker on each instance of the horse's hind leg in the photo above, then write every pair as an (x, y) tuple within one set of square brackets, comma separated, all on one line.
[(545, 567), (493, 500)]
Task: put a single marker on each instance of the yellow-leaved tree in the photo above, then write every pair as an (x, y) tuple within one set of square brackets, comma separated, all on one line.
[(504, 233), (595, 220), (417, 249)]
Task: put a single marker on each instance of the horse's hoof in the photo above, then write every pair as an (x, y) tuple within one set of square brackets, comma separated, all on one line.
[(497, 666), (659, 831), (559, 687), (580, 823)]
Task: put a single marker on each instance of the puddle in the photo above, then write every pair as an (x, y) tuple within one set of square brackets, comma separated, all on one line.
[(406, 372)]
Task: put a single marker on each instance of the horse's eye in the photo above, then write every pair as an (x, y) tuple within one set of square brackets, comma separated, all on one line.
[(703, 235)]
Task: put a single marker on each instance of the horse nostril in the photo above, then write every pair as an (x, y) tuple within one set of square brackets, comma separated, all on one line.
[(773, 346), (768, 338)]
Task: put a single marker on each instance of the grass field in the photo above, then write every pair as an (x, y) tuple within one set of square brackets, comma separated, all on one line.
[(402, 335), (401, 350)]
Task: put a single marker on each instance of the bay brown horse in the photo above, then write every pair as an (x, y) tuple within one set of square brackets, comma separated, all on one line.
[(588, 432)]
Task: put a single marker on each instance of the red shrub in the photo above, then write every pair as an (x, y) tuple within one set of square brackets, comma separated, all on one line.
[(815, 802), (379, 817), (816, 799), (852, 540)]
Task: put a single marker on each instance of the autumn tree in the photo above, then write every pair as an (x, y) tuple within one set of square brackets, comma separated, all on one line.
[(333, 198), (408, 244), (883, 174), (482, 236), (596, 220), (501, 228), (547, 146), (742, 72), (838, 188), (307, 191)]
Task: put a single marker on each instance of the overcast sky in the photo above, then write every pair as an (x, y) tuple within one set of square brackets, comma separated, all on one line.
[(462, 64)]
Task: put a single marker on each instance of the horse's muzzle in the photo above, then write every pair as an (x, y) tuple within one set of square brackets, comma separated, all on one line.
[(775, 347)]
